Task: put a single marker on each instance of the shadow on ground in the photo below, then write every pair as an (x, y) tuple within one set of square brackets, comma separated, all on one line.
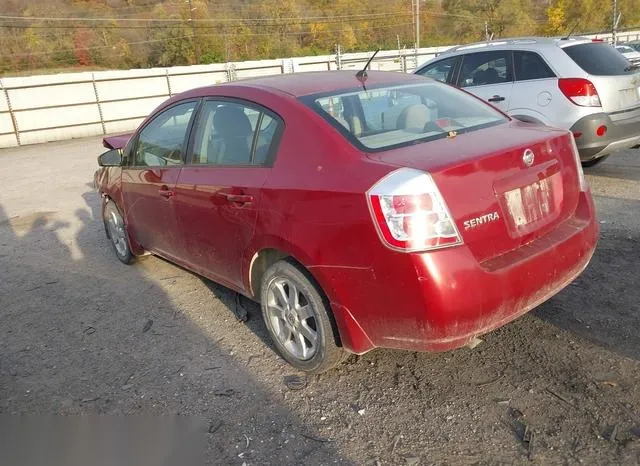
[(85, 334)]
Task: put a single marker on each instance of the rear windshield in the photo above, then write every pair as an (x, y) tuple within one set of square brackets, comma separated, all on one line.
[(396, 115), (599, 59)]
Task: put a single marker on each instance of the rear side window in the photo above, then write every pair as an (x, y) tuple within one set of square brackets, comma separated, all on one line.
[(397, 115), (231, 133), (441, 70), (529, 65), (599, 59), (484, 68)]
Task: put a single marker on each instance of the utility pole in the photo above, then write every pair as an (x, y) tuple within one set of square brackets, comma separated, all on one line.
[(614, 23), (196, 45), (486, 31), (417, 21)]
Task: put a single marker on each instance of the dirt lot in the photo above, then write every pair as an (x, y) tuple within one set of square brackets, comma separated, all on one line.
[(82, 333)]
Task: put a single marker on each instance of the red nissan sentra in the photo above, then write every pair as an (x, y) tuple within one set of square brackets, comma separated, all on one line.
[(387, 211)]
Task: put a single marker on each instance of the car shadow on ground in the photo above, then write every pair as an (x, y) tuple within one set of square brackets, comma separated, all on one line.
[(622, 166), (243, 309), (85, 334)]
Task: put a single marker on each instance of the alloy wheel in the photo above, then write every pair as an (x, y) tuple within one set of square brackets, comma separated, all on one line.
[(292, 319)]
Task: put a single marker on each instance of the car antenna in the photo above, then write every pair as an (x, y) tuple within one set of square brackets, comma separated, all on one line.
[(362, 74), (572, 30)]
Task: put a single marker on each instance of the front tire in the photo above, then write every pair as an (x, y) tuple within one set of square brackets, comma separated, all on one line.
[(117, 233), (298, 319)]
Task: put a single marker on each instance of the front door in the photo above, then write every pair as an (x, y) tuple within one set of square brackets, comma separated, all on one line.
[(218, 192), (489, 75), (149, 181)]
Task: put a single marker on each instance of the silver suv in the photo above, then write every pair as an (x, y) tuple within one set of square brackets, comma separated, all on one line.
[(578, 84)]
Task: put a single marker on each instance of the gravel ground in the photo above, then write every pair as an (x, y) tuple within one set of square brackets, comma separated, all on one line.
[(82, 333)]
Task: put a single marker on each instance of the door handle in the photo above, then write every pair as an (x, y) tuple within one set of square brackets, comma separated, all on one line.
[(237, 198), (166, 193), (496, 98)]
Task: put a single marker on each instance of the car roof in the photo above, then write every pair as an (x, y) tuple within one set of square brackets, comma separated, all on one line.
[(520, 42), (317, 82)]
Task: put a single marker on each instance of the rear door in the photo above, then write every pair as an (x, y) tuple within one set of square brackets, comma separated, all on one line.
[(218, 192), (489, 75), (615, 79), (536, 93), (149, 181)]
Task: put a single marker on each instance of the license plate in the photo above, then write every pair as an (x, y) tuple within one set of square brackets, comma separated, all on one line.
[(630, 96), (529, 204)]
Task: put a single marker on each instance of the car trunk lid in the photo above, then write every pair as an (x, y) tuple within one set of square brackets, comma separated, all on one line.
[(498, 201), (618, 94), (616, 80)]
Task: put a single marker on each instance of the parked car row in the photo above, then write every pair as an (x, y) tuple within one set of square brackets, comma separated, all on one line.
[(377, 209), (629, 53), (582, 85)]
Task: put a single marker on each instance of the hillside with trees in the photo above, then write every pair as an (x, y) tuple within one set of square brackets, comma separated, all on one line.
[(97, 34)]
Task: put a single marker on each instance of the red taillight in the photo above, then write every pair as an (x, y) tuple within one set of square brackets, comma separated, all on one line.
[(410, 214), (580, 91), (601, 130), (576, 155)]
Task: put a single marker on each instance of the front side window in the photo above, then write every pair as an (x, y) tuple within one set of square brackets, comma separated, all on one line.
[(396, 115), (230, 133), (479, 69), (441, 70), (529, 65), (161, 142)]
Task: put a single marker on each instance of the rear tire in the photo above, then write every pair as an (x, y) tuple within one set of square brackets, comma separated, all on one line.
[(117, 233), (591, 163), (299, 319)]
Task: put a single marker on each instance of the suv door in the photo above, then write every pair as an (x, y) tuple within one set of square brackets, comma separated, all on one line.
[(219, 190), (443, 70), (489, 75), (149, 180), (536, 96)]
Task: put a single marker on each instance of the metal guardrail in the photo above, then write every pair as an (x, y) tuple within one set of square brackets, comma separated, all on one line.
[(12, 115)]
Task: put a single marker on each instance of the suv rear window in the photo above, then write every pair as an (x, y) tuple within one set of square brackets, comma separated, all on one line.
[(599, 59), (398, 115)]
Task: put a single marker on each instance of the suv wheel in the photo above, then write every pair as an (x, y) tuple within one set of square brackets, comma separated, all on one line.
[(591, 163)]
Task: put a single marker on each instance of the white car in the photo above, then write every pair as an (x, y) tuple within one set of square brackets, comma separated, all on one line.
[(578, 84), (629, 53)]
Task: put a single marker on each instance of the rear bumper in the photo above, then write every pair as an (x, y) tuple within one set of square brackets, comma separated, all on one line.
[(621, 134), (446, 298)]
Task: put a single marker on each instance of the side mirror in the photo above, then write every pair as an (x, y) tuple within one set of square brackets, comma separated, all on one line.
[(111, 158)]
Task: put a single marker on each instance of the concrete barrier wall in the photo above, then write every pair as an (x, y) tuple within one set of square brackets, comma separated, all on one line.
[(46, 108)]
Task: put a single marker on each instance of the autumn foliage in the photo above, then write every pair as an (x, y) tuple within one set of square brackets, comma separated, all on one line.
[(41, 34)]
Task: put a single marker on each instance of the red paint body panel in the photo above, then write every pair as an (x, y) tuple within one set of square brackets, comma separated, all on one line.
[(116, 142), (216, 229), (311, 205)]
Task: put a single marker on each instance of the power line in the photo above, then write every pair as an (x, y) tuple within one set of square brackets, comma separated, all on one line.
[(156, 26), (167, 39), (363, 17)]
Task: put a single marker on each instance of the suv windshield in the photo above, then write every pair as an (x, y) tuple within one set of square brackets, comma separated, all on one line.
[(599, 59), (396, 115)]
